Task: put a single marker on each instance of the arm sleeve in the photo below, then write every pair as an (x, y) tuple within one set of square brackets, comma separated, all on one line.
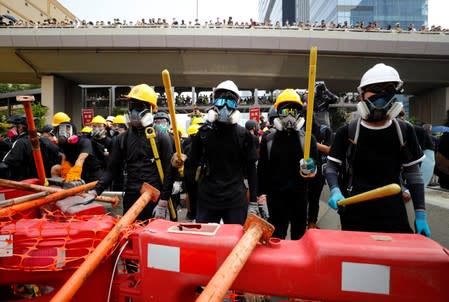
[(165, 149), (251, 168), (262, 168), (331, 174), (414, 182)]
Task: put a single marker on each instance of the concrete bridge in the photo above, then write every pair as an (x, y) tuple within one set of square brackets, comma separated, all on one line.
[(62, 58)]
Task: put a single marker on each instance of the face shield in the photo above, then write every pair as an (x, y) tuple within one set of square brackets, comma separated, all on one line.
[(64, 131), (139, 114)]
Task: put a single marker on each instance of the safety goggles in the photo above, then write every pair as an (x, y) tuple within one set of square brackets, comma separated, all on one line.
[(65, 130), (138, 106), (284, 112), (230, 103)]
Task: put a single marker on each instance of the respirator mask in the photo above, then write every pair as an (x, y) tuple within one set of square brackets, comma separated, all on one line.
[(381, 106), (225, 109), (98, 132), (289, 119), (65, 133), (139, 115)]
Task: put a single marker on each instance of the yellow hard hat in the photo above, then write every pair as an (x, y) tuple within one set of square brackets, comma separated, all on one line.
[(193, 129), (119, 119), (86, 129), (60, 118), (98, 119), (288, 96), (197, 120), (143, 92)]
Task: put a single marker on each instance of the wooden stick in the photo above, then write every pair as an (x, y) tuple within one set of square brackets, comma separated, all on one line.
[(115, 200), (256, 229), (22, 199), (310, 101), (71, 286), (14, 209), (384, 191)]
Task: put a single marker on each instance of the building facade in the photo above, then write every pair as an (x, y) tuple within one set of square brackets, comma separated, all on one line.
[(386, 13), (35, 10)]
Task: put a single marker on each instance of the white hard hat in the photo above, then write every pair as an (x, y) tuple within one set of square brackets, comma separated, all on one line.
[(380, 73), (228, 85), (110, 118)]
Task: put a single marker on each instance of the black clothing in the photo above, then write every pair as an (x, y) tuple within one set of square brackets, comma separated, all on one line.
[(279, 178), (227, 156), (424, 139), (443, 148), (189, 178), (20, 159), (133, 149), (378, 161), (92, 168)]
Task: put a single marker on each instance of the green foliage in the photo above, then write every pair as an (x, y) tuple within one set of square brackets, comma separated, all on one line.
[(4, 88), (339, 117)]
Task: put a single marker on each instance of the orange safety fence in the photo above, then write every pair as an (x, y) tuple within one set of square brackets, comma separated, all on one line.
[(54, 242)]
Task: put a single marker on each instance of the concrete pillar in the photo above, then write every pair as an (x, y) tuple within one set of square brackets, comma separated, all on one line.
[(58, 95), (431, 107)]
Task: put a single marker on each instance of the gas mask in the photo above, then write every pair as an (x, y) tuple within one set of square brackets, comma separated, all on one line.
[(289, 119), (98, 132), (224, 110), (139, 115), (379, 107)]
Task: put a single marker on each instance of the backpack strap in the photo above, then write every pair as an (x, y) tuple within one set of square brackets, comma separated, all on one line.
[(270, 138), (401, 128)]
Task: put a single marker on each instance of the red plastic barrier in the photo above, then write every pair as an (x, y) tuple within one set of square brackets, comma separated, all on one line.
[(8, 193), (43, 245), (324, 265)]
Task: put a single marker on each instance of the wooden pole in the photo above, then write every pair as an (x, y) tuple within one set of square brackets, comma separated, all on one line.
[(71, 286), (14, 209), (388, 190), (115, 200), (21, 199), (310, 101), (256, 229)]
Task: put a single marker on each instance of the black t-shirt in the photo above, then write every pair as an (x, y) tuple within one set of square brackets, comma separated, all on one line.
[(226, 157), (443, 145), (377, 162), (424, 139)]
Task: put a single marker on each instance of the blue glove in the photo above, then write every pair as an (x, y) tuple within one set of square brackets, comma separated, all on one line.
[(308, 167), (421, 225), (335, 197)]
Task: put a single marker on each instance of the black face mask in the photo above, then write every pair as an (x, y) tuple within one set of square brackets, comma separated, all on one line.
[(378, 106)]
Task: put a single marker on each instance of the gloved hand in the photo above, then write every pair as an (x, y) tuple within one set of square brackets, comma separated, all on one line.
[(334, 198), (90, 196), (65, 168), (72, 184), (74, 174), (253, 208), (161, 210), (421, 225), (263, 208), (176, 162), (308, 167)]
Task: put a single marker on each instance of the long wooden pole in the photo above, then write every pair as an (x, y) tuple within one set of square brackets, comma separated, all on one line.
[(256, 229), (171, 109), (34, 138), (310, 101), (32, 187), (14, 209), (22, 199), (69, 289), (388, 190)]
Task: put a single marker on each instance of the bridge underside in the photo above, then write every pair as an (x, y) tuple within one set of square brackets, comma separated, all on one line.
[(206, 67)]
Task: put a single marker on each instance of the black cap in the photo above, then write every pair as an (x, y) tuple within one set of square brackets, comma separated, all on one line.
[(17, 120), (46, 128)]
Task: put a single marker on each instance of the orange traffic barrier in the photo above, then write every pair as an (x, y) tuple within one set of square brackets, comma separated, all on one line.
[(21, 185), (21, 199), (257, 230), (14, 209), (69, 289)]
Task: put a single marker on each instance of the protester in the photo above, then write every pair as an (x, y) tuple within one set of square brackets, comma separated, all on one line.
[(282, 171), (374, 157)]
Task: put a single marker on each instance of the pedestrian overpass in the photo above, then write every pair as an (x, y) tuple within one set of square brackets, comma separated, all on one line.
[(62, 58)]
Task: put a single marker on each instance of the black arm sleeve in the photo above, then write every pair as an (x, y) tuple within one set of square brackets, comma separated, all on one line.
[(331, 174), (165, 149), (415, 184)]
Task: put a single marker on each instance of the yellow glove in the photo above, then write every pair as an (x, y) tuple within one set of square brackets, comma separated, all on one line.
[(74, 174), (65, 168)]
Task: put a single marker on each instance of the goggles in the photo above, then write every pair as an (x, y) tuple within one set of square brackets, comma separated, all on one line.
[(380, 87), (230, 103), (65, 130), (160, 122), (138, 106), (284, 112)]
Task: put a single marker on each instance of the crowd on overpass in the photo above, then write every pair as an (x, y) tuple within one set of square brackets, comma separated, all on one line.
[(229, 22)]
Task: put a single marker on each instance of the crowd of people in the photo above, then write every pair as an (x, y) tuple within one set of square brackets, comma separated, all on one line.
[(232, 171), (221, 23)]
